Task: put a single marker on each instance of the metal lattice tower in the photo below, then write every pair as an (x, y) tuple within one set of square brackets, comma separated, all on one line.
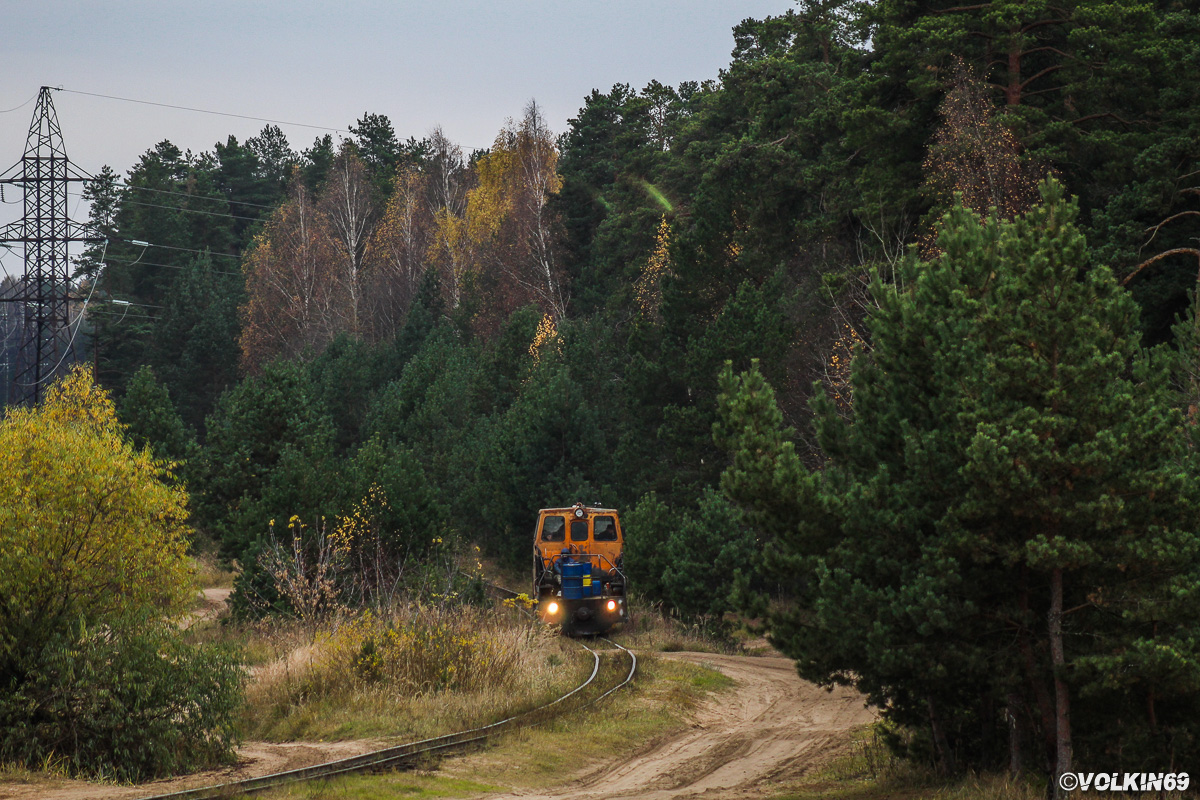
[(43, 297)]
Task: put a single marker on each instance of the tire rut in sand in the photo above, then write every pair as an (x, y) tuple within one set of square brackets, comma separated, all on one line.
[(771, 728)]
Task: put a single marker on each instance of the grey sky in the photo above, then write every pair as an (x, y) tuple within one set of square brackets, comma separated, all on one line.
[(465, 65)]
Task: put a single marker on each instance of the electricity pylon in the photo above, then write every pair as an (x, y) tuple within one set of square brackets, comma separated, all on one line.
[(43, 298)]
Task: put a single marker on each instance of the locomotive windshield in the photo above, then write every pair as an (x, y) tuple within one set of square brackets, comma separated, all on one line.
[(554, 529), (579, 530), (604, 529)]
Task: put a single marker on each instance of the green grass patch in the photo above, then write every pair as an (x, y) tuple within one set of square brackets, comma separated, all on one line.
[(549, 754), (406, 785), (707, 680)]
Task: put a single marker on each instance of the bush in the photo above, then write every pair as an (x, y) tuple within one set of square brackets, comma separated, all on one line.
[(428, 652), (130, 702), (93, 573), (89, 526)]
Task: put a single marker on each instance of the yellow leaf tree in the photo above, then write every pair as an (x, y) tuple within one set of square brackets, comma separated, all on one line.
[(510, 220), (95, 674), (397, 251), (89, 526)]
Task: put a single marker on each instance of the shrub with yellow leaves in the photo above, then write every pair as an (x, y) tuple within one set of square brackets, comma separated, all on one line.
[(95, 671), (546, 336), (89, 526)]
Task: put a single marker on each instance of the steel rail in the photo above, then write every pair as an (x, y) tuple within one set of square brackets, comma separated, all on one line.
[(395, 755)]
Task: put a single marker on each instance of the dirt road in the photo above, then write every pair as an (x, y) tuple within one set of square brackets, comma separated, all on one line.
[(214, 605), (770, 728)]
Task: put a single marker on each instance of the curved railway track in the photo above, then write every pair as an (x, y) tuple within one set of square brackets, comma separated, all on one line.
[(401, 755)]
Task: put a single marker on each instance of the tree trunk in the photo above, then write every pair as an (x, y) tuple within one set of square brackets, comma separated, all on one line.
[(1012, 92), (1062, 698), (945, 755), (1040, 694), (1013, 713)]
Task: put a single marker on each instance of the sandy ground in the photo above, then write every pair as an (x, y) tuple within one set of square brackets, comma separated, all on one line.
[(214, 605), (254, 760), (770, 729)]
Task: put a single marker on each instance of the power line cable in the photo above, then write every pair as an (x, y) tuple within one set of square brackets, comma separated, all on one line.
[(171, 266), (169, 247), (18, 108), (181, 249), (195, 196), (180, 208), (205, 111), (176, 194), (137, 316), (67, 351), (142, 305)]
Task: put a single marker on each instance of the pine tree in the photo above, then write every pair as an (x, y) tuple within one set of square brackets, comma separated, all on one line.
[(152, 420), (1006, 523)]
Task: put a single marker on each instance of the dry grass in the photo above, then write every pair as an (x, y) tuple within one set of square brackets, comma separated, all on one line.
[(650, 630), (535, 758), (209, 572), (868, 771), (417, 672), (390, 786)]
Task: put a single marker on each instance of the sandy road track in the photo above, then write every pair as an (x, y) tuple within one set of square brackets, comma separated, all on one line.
[(769, 729), (215, 601)]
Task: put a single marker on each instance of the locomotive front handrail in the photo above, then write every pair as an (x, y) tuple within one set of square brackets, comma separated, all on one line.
[(579, 557)]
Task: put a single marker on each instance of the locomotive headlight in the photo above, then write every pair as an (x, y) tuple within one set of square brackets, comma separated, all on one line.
[(579, 513), (612, 605), (552, 608)]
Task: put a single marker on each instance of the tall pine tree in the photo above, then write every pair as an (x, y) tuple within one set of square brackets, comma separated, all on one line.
[(1001, 542)]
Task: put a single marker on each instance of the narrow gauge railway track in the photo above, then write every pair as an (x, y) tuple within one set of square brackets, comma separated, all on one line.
[(401, 755)]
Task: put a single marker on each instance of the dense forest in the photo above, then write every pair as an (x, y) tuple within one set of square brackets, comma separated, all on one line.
[(836, 256)]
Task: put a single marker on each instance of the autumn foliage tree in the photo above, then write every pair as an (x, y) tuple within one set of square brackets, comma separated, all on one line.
[(509, 233), (88, 528), (975, 158), (397, 251), (346, 261), (537, 270), (291, 288), (348, 214), (449, 252)]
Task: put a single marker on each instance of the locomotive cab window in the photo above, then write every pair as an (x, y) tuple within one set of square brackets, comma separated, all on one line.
[(554, 529), (604, 529), (579, 530)]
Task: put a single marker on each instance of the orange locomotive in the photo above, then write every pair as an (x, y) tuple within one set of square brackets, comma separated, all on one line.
[(578, 568)]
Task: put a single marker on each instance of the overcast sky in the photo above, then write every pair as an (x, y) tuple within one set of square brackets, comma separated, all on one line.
[(464, 65)]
